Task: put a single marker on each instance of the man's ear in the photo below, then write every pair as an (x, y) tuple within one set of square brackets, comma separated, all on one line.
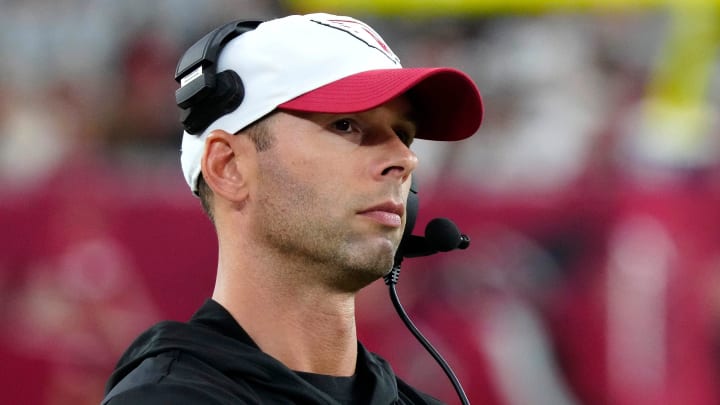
[(225, 165)]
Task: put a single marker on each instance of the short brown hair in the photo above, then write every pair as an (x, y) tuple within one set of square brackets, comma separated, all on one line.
[(263, 140)]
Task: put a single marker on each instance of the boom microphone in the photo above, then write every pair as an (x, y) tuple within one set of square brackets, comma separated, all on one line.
[(444, 235), (441, 235)]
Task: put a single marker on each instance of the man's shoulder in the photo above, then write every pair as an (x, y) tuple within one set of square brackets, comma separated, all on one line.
[(166, 393), (175, 377)]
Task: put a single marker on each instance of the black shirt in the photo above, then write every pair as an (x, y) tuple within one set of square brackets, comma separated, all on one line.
[(212, 360)]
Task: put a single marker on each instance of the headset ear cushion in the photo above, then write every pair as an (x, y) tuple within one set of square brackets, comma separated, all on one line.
[(230, 91), (227, 95)]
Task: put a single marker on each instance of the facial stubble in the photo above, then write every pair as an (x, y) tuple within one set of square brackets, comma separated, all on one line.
[(299, 220)]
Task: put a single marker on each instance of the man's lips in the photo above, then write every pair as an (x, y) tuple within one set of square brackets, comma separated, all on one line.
[(388, 213)]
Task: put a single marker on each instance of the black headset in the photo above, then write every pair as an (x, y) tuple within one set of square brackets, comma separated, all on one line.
[(441, 234), (206, 94)]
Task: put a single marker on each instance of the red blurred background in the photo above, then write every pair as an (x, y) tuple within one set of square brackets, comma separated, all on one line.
[(590, 195)]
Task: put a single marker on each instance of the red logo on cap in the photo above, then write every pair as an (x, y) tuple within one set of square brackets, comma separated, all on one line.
[(363, 32)]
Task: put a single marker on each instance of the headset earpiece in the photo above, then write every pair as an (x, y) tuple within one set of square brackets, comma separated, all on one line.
[(205, 94), (227, 95)]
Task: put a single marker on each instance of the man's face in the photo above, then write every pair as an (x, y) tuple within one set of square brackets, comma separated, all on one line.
[(332, 190)]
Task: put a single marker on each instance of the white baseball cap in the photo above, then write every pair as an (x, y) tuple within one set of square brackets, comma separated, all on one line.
[(333, 64)]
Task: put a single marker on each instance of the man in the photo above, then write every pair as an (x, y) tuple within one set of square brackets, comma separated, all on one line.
[(305, 178)]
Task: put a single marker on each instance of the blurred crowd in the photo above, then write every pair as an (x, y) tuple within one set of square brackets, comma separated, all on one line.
[(590, 194)]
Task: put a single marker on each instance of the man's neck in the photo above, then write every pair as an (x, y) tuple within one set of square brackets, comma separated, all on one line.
[(308, 328)]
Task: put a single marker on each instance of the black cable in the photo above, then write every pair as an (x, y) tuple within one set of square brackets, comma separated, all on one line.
[(391, 280)]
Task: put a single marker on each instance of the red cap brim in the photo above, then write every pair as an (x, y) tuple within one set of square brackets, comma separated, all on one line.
[(448, 103)]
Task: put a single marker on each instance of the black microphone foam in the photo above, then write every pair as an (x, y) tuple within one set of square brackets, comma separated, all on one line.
[(443, 235)]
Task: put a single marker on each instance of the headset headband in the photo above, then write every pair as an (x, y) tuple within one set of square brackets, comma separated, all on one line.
[(204, 94)]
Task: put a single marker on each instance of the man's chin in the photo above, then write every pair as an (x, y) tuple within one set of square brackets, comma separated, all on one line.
[(365, 268)]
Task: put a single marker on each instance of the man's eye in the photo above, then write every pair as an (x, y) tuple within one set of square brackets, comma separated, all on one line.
[(343, 125)]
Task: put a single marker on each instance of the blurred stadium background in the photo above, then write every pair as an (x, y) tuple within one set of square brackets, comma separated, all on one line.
[(591, 195)]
